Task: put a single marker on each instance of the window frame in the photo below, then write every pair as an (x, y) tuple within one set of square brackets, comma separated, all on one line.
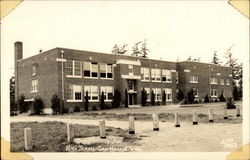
[(34, 86), (169, 93), (106, 71), (90, 93), (213, 91), (106, 98), (193, 79), (73, 69), (214, 80), (168, 74), (74, 88)]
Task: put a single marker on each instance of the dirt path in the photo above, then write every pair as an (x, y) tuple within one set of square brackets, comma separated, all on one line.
[(203, 137)]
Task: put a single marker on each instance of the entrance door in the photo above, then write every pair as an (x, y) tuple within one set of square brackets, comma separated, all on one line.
[(130, 99)]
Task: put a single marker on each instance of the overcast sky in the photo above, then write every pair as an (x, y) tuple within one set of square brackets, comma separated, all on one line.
[(173, 29)]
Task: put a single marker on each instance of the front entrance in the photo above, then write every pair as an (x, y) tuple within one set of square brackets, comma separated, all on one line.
[(131, 98)]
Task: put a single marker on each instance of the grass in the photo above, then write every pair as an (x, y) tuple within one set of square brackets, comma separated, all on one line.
[(52, 137)]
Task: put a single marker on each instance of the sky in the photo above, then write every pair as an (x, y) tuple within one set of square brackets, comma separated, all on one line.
[(173, 29)]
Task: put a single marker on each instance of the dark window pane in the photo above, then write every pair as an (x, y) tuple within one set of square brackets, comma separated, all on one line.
[(103, 75), (164, 79), (110, 75), (86, 73), (94, 74)]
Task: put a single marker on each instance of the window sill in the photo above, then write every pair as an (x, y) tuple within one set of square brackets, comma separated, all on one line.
[(156, 81), (33, 91), (68, 76), (108, 100), (168, 100), (107, 78), (213, 83), (196, 96), (214, 96), (193, 82), (91, 77), (93, 100), (74, 100), (145, 80), (166, 82)]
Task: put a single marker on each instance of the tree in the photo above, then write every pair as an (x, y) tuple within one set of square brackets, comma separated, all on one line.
[(13, 106), (144, 49), (191, 96), (102, 101), (86, 104), (235, 93), (143, 97), (55, 103), (126, 98), (38, 105), (116, 99), (135, 50), (164, 98), (119, 49), (22, 107), (215, 59), (180, 95), (222, 98), (152, 98)]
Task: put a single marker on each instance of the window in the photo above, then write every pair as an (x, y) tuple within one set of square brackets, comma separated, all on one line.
[(155, 74), (177, 77), (158, 94), (222, 81), (130, 69), (73, 68), (74, 93), (90, 69), (93, 92), (213, 80), (195, 92), (147, 93), (34, 85), (214, 93), (33, 70), (131, 85), (168, 92), (145, 74), (108, 92), (166, 76), (228, 82), (106, 71), (193, 79)]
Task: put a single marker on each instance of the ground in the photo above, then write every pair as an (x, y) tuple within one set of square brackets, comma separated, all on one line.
[(222, 135)]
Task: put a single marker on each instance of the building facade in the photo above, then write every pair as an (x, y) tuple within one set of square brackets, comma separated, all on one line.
[(71, 73)]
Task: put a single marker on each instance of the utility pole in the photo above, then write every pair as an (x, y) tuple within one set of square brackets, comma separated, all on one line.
[(209, 79), (62, 105)]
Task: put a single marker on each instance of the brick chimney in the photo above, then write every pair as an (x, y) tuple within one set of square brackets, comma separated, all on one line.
[(18, 49)]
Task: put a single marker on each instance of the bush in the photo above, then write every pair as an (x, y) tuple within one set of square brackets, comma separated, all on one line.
[(86, 104), (94, 108), (235, 93), (222, 98), (143, 97), (180, 95), (22, 107), (206, 100), (230, 103), (191, 96), (164, 98), (196, 101), (77, 109), (55, 104), (102, 101), (38, 105), (65, 110), (216, 100), (116, 99), (152, 98), (126, 98)]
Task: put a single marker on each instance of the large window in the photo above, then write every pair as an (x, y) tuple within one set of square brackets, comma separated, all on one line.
[(90, 69), (74, 93), (193, 79), (155, 75), (148, 93), (166, 76), (34, 85), (228, 82), (168, 92), (145, 74), (213, 80), (108, 92), (157, 92), (73, 68), (93, 92), (222, 81), (106, 71), (214, 93)]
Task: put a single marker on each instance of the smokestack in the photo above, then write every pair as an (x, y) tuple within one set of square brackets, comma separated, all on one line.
[(18, 49)]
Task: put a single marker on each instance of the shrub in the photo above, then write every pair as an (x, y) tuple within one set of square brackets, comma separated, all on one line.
[(222, 98), (22, 107), (196, 101), (65, 110), (77, 109), (191, 96), (143, 97), (230, 103), (116, 99), (102, 101), (152, 98), (206, 100), (235, 93), (94, 108), (216, 100), (55, 104), (126, 98), (38, 105), (86, 104), (180, 95), (164, 98)]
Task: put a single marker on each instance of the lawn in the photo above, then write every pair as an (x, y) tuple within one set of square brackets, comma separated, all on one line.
[(52, 137)]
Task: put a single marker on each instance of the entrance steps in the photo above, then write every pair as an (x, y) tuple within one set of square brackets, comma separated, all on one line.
[(134, 106)]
